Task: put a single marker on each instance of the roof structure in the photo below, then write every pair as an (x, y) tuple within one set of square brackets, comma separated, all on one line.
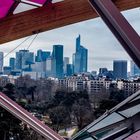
[(106, 126), (16, 22)]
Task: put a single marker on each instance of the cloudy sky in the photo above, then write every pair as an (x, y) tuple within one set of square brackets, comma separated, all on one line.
[(95, 36)]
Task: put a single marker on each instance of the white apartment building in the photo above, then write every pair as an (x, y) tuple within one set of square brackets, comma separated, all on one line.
[(80, 83)]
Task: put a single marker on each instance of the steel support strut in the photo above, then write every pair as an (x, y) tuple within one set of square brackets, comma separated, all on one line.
[(27, 118), (119, 26)]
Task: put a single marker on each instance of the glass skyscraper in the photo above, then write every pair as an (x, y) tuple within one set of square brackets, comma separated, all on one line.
[(135, 70), (120, 69), (1, 61), (69, 70), (65, 62), (42, 55), (12, 63), (24, 58), (80, 57), (57, 55)]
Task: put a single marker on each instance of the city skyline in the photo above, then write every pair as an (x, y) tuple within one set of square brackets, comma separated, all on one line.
[(95, 36)]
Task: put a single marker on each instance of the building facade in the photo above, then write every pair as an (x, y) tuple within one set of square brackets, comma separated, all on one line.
[(135, 70), (24, 58), (57, 55), (80, 57), (1, 61), (120, 69), (12, 63)]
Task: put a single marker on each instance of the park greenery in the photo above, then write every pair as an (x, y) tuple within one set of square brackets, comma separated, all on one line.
[(60, 109)]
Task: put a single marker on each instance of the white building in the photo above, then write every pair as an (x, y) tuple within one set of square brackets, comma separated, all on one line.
[(82, 82)]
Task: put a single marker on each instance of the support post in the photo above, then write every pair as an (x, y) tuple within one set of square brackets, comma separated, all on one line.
[(119, 26)]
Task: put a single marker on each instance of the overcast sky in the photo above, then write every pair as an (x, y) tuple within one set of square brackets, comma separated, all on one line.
[(95, 36)]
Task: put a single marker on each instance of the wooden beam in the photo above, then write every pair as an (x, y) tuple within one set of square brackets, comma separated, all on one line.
[(46, 18)]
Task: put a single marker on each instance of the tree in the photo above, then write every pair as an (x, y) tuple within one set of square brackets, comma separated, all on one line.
[(9, 90), (75, 105), (59, 117)]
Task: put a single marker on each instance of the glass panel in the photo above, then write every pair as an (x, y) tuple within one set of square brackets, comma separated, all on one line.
[(111, 119), (131, 111), (5, 5), (55, 1), (89, 138), (135, 136), (136, 98), (23, 7)]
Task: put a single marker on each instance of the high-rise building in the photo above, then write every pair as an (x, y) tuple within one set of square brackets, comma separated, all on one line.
[(80, 57), (135, 70), (120, 69), (66, 61), (57, 55), (51, 67), (70, 70), (7, 70), (12, 62), (1, 61), (24, 58), (42, 55), (102, 71)]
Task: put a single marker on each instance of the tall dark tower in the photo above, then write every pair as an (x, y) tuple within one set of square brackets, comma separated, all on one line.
[(58, 56), (80, 57), (120, 69)]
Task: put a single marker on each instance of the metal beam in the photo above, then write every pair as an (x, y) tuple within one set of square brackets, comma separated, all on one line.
[(119, 26), (27, 118), (51, 17)]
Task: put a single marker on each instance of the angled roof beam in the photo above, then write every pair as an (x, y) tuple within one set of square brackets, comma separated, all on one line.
[(27, 118), (51, 17), (119, 26)]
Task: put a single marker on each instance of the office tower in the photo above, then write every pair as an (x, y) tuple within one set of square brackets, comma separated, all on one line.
[(70, 70), (24, 58), (57, 55), (42, 55), (51, 67), (120, 69), (38, 67), (7, 70), (102, 71), (80, 57), (1, 61), (135, 70), (12, 62), (66, 61)]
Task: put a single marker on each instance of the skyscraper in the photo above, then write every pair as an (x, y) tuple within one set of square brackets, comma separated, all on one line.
[(80, 57), (12, 63), (69, 70), (51, 67), (135, 70), (42, 55), (66, 61), (24, 58), (1, 61), (57, 55), (120, 69)]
